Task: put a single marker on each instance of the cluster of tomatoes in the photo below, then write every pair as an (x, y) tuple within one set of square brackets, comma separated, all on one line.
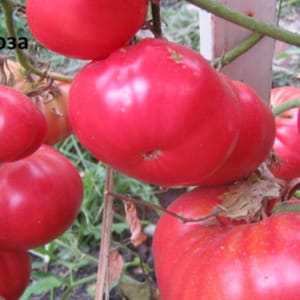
[(158, 112), (40, 190)]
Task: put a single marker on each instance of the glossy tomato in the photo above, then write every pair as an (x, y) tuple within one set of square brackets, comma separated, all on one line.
[(207, 261), (287, 142), (255, 140), (85, 29), (40, 197), (156, 111), (22, 126), (15, 269)]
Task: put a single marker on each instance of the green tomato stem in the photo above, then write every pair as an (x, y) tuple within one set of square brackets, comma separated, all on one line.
[(237, 51), (251, 23), (290, 104)]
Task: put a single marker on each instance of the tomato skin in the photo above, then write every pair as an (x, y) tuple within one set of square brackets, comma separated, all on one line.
[(55, 111), (40, 196), (23, 127), (247, 261), (15, 269), (255, 141), (298, 121), (154, 108), (287, 141), (85, 29), (52, 102)]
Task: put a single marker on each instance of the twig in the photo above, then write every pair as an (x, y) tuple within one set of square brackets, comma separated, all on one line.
[(106, 234), (155, 10), (237, 51), (245, 21), (160, 208)]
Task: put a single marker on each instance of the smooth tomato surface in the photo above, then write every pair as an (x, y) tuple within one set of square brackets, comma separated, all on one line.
[(15, 269), (40, 197), (195, 261), (287, 142), (157, 112), (255, 140), (22, 126), (85, 29)]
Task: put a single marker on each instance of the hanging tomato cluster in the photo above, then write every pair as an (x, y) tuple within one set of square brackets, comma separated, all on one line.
[(40, 190), (158, 112)]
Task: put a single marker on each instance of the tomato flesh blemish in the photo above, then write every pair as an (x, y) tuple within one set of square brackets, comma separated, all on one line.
[(151, 155)]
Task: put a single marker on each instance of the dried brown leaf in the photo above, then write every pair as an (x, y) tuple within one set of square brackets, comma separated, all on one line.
[(246, 199), (132, 219), (115, 266)]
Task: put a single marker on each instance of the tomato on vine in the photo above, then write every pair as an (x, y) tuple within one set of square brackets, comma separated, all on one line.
[(156, 111), (40, 197), (255, 140), (207, 260), (23, 128), (85, 29), (50, 97)]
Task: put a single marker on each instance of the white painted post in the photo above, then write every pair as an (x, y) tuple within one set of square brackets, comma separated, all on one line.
[(218, 36)]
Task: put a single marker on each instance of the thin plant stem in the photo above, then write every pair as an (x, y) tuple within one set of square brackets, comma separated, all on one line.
[(106, 234), (245, 21), (290, 104)]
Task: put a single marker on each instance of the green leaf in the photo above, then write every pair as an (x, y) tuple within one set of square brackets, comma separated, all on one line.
[(42, 286)]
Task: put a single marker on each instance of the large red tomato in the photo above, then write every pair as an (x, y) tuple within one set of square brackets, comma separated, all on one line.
[(15, 269), (198, 261), (156, 111), (255, 141), (40, 197), (86, 29), (22, 126), (287, 142)]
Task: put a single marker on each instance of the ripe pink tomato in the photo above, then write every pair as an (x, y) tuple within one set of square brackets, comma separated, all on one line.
[(85, 29), (255, 140), (15, 269), (157, 112), (208, 261), (287, 142), (40, 196), (23, 128)]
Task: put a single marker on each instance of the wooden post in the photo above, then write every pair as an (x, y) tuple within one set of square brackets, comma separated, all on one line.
[(218, 36)]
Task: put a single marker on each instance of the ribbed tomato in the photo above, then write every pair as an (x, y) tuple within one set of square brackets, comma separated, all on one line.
[(157, 112), (207, 261), (255, 141)]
